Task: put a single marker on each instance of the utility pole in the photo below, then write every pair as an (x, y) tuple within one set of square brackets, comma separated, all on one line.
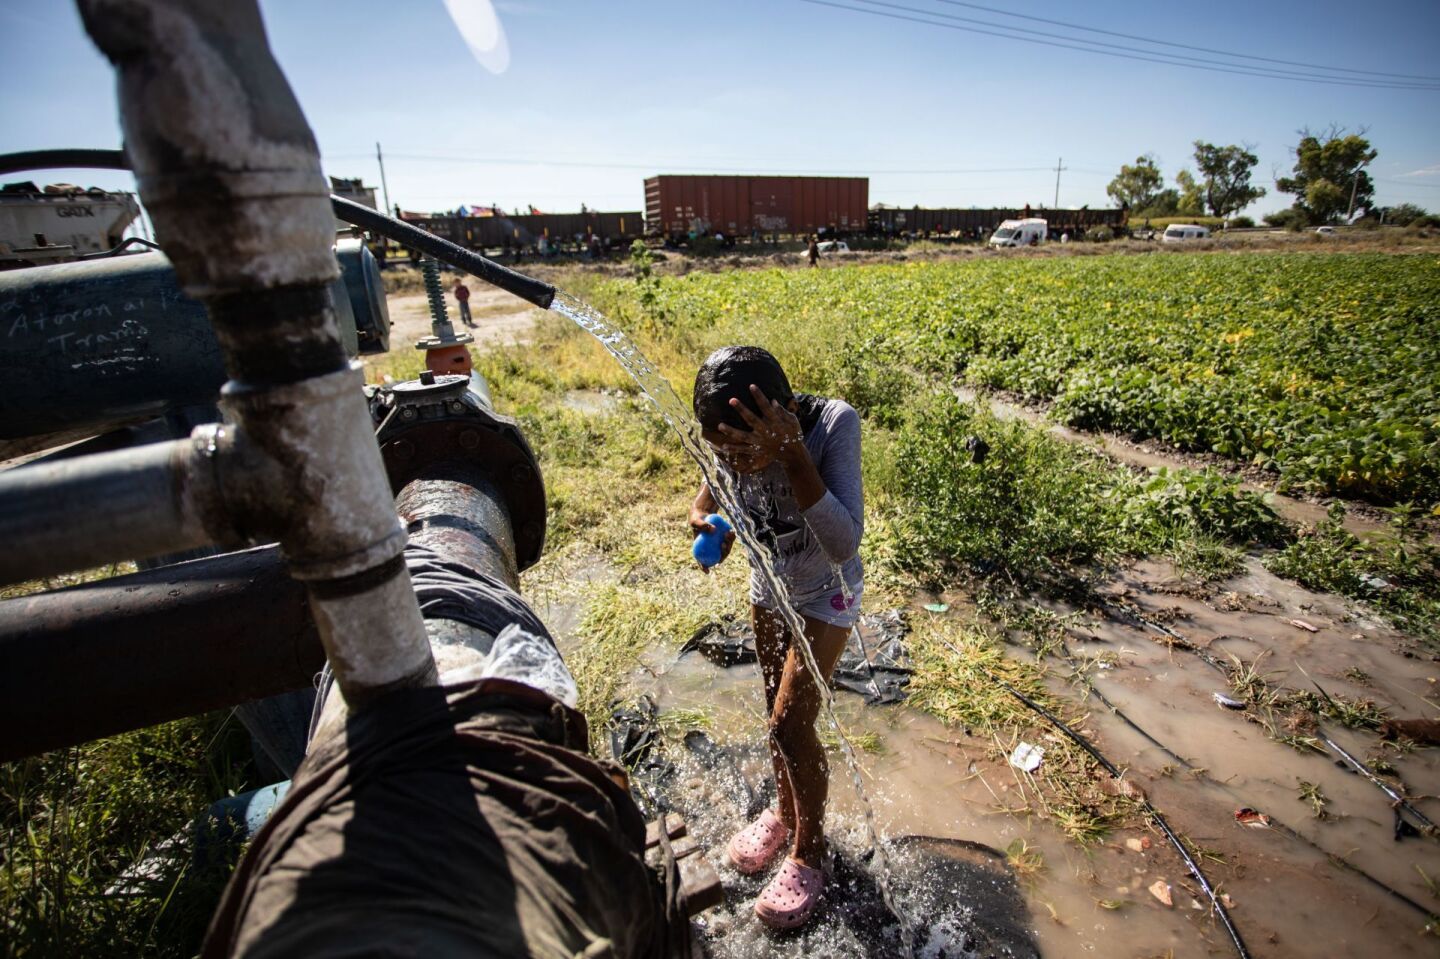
[(1354, 184), (1058, 168), (384, 188)]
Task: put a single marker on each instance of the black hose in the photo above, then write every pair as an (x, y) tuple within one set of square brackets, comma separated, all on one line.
[(525, 287), (1154, 813), (67, 159)]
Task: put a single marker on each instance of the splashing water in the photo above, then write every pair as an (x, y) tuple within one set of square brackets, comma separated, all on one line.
[(677, 415)]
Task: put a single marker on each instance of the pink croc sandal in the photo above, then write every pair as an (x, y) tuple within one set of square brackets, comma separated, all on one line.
[(753, 847), (791, 897)]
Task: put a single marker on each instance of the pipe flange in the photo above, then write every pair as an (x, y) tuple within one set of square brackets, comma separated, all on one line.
[(436, 342), (451, 426)]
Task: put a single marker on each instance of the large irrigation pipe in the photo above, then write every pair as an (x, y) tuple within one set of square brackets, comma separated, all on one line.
[(127, 652), (1150, 810), (526, 287)]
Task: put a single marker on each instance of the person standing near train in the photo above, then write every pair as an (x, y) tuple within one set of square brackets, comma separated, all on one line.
[(462, 296)]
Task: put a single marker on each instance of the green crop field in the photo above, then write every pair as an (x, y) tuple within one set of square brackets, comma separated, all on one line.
[(1322, 368)]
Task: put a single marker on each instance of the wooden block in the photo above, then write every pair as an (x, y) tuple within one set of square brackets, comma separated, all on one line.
[(684, 847), (674, 828), (699, 885)]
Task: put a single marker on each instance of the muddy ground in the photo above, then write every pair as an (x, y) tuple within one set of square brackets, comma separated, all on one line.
[(1288, 884)]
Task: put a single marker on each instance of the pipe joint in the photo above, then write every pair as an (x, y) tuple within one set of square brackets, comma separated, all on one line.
[(312, 475)]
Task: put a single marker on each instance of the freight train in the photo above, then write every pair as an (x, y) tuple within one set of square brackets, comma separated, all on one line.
[(917, 222), (678, 209), (534, 231), (60, 223), (752, 207)]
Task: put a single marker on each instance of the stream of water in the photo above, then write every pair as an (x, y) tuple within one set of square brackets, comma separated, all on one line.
[(678, 416)]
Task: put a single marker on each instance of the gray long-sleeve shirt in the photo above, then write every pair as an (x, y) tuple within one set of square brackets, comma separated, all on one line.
[(809, 544)]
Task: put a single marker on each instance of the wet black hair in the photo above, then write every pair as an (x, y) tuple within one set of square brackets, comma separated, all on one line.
[(728, 372)]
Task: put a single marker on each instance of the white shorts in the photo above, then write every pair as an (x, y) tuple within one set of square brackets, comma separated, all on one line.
[(831, 609)]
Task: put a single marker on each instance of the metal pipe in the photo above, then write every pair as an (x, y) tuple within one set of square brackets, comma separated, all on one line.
[(118, 654), (78, 513), (230, 172), (457, 511), (122, 653)]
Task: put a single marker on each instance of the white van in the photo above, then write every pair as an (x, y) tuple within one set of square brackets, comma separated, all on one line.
[(1020, 232), (1180, 232)]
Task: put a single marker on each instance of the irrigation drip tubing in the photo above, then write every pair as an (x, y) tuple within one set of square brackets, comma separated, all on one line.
[(1275, 823), (1150, 809), (1399, 800)]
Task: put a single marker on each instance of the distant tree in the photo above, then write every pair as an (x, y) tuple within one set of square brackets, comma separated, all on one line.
[(1225, 177), (1136, 186), (1166, 203), (1404, 214), (1288, 219), (1191, 200), (1328, 166)]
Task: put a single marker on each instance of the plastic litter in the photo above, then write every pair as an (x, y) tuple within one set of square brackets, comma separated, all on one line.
[(1026, 757), (1222, 700), (1301, 624), (937, 607), (875, 662), (1255, 819), (724, 644)]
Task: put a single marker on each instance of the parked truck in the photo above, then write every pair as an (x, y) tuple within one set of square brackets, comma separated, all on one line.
[(1030, 231)]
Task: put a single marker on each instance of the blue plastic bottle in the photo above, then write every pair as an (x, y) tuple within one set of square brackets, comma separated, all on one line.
[(707, 548)]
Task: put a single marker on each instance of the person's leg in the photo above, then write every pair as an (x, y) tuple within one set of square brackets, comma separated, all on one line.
[(772, 640), (792, 730)]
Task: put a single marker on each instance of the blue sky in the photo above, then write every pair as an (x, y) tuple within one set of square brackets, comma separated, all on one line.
[(599, 95)]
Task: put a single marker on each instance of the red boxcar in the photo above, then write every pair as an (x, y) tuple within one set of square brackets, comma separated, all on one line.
[(742, 206)]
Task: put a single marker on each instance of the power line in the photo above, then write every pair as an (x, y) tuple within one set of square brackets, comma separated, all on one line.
[(1183, 46), (1278, 74), (600, 164), (1092, 49)]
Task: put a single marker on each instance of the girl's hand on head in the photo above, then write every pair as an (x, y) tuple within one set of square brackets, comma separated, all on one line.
[(775, 432)]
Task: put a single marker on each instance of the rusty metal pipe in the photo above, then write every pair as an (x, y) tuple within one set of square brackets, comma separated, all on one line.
[(457, 511), (229, 170), (118, 654)]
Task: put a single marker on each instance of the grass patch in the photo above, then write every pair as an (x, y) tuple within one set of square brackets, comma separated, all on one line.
[(73, 820)]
